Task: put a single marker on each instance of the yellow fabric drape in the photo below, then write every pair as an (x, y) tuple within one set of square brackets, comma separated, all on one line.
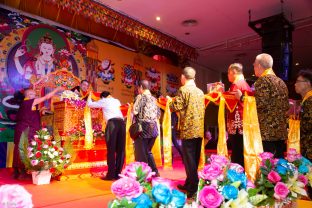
[(202, 159), (252, 138), (129, 142), (309, 94), (88, 125), (222, 148), (156, 150), (167, 137), (268, 71), (294, 135), (10, 153)]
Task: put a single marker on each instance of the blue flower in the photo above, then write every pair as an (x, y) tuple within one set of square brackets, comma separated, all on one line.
[(234, 176), (142, 201), (282, 162), (230, 192), (305, 161), (303, 169), (162, 194), (281, 169), (178, 198)]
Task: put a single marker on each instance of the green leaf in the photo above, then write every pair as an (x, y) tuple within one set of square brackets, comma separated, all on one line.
[(22, 147), (255, 200), (252, 192)]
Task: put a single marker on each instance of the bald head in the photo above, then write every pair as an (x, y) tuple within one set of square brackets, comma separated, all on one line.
[(145, 84), (265, 60), (189, 73)]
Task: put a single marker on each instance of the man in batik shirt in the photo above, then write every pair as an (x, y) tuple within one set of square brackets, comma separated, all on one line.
[(190, 103), (303, 86), (235, 118), (271, 95)]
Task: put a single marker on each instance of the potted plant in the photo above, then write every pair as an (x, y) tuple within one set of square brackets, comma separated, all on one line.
[(43, 156)]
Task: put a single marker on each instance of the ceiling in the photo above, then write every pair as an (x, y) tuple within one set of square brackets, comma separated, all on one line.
[(222, 34)]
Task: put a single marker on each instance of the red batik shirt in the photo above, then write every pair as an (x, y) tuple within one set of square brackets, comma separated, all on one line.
[(235, 118)]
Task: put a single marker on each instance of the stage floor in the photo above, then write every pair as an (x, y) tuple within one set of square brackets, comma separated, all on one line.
[(87, 190)]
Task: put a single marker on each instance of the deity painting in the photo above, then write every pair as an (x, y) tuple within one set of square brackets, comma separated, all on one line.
[(42, 50), (153, 76), (106, 71), (172, 84)]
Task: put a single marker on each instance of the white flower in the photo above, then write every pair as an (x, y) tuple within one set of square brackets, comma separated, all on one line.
[(29, 149), (56, 153), (45, 146), (67, 156), (36, 136), (51, 149), (34, 162), (60, 161), (51, 155), (54, 142), (46, 137), (45, 152), (30, 154), (33, 143), (44, 129)]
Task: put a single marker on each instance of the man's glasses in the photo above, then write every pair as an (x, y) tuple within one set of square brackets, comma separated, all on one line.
[(297, 81)]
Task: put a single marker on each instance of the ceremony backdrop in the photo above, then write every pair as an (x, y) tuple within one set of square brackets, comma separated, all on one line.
[(31, 50)]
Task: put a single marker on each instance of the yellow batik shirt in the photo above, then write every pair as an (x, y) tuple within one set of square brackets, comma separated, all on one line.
[(271, 95), (306, 128), (190, 104)]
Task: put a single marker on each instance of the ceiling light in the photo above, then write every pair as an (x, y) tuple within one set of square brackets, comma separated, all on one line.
[(297, 64), (190, 23), (187, 33), (158, 18)]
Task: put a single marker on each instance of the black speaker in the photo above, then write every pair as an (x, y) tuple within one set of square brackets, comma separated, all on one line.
[(276, 33)]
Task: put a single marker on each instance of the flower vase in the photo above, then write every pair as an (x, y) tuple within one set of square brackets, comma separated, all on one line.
[(41, 177)]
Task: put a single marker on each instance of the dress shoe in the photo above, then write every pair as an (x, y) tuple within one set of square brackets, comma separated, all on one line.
[(190, 195), (181, 187), (107, 178)]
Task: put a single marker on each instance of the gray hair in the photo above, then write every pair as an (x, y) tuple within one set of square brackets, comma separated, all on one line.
[(189, 72), (145, 84), (265, 60), (237, 66)]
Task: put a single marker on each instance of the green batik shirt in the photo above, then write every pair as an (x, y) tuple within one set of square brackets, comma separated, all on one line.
[(306, 128), (271, 95), (190, 104)]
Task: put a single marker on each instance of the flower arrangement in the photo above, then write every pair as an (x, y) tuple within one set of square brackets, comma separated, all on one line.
[(222, 184), (97, 130), (73, 99), (138, 187), (77, 131), (281, 180), (43, 153), (15, 196)]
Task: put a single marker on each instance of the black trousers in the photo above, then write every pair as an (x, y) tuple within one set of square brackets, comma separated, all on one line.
[(115, 137), (143, 151), (191, 153), (237, 145), (175, 141), (275, 147)]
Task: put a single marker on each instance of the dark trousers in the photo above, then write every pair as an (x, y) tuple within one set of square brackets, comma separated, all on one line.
[(175, 141), (115, 137), (237, 145), (275, 147), (191, 153), (143, 151)]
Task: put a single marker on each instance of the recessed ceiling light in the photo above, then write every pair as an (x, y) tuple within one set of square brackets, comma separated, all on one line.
[(297, 64), (187, 33), (158, 18), (190, 23)]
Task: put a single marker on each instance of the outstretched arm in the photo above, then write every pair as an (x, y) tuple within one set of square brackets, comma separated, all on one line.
[(47, 96)]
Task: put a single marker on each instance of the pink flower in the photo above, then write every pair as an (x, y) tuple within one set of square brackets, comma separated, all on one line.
[(237, 167), (280, 191), (250, 184), (219, 159), (292, 155), (126, 187), (210, 171), (163, 181), (15, 196), (210, 197), (303, 179), (274, 177), (130, 171), (266, 155)]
